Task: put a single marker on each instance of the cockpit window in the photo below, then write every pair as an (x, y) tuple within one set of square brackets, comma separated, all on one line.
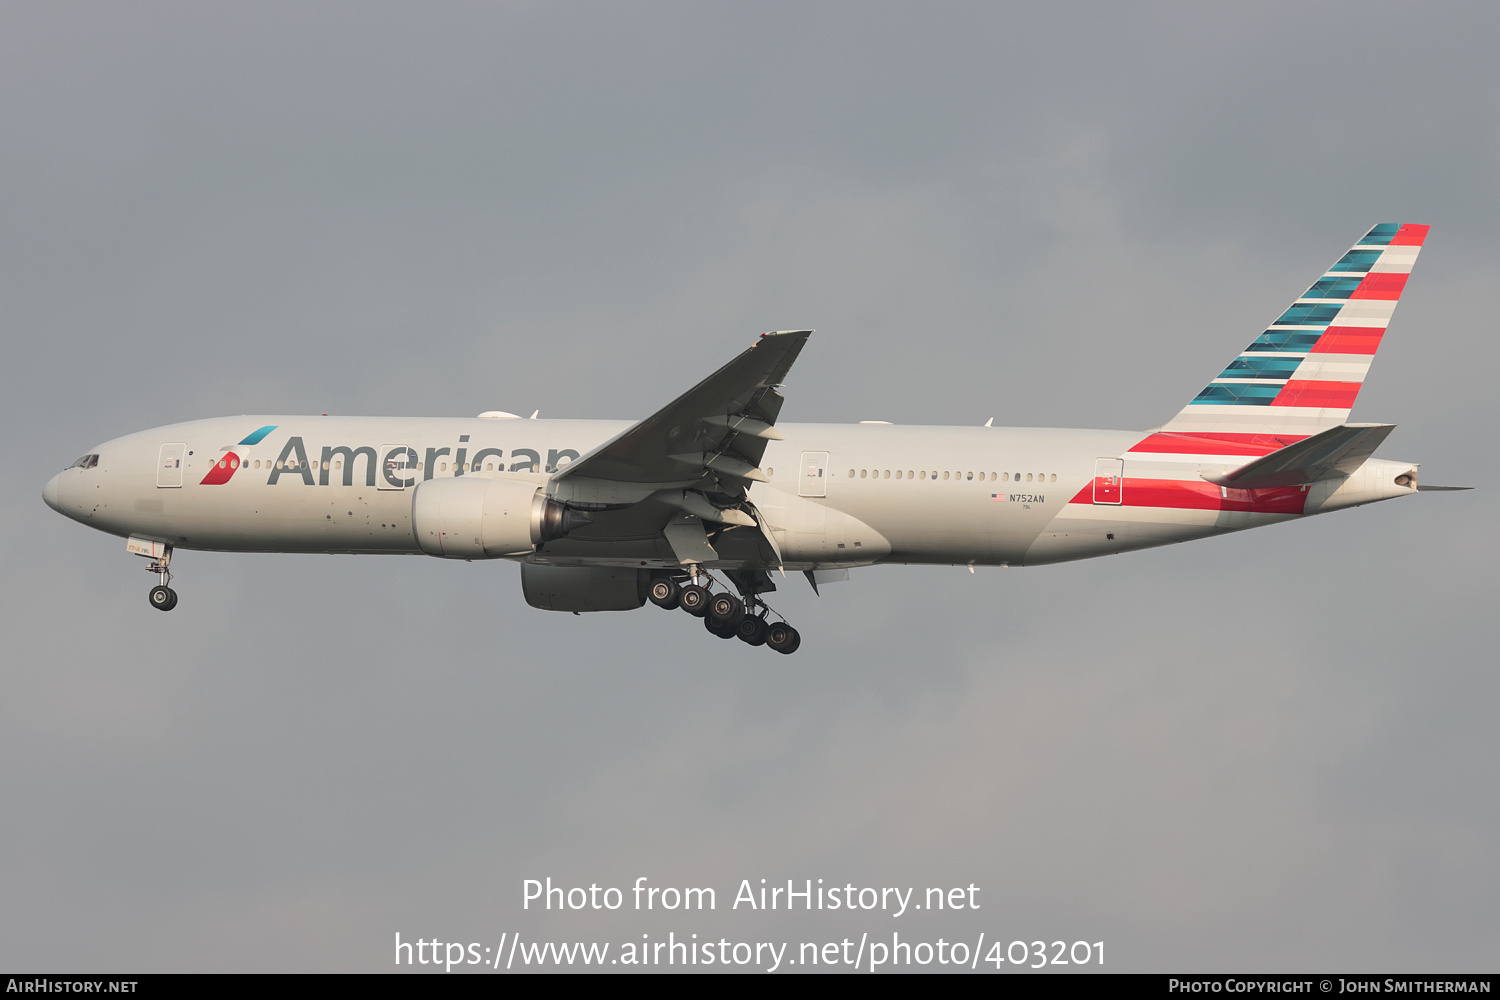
[(86, 462)]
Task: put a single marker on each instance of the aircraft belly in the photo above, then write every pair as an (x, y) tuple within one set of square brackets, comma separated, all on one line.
[(254, 519), (1082, 531), (975, 523)]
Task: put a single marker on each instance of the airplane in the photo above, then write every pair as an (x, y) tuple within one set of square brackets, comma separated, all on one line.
[(607, 515)]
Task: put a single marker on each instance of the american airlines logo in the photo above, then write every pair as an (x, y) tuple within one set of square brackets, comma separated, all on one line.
[(389, 466)]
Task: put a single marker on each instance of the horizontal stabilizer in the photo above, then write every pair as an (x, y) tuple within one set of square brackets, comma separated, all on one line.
[(1337, 451), (1442, 489)]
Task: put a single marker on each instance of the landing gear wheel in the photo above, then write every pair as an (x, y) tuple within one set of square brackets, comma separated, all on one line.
[(694, 600), (783, 638), (718, 628), (163, 598), (665, 594), (726, 608), (751, 630)]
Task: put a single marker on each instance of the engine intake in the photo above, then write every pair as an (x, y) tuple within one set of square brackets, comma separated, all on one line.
[(474, 518)]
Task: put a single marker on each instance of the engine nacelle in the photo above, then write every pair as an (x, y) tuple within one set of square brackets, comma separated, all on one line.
[(476, 518), (584, 588)]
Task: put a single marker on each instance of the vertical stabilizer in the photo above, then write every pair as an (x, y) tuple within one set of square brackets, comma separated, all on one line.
[(1302, 374)]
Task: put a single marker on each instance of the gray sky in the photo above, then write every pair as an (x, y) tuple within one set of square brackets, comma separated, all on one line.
[(1267, 751)]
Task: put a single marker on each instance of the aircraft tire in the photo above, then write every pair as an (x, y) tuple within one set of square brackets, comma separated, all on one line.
[(751, 630), (665, 594), (783, 638), (719, 628), (726, 608), (694, 600), (162, 598)]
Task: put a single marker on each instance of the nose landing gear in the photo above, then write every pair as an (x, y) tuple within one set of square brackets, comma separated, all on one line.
[(162, 596)]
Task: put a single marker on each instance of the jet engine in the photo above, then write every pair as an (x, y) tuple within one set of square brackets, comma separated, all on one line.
[(475, 518), (584, 588)]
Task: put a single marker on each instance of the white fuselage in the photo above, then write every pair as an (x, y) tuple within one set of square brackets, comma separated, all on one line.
[(881, 493)]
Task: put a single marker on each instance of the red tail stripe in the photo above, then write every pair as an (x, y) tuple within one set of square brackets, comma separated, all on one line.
[(1315, 392), (1349, 340), (1215, 443), (1410, 235), (1380, 285)]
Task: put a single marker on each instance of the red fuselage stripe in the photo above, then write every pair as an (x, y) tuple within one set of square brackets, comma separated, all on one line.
[(1186, 494), (1216, 443)]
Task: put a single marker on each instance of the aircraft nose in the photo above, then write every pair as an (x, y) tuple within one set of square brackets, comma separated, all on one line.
[(52, 493)]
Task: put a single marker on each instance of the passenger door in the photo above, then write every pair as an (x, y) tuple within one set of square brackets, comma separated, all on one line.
[(398, 467), (1109, 480), (813, 481), (169, 465)]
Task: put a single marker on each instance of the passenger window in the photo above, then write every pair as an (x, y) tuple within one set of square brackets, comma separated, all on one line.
[(887, 474), (851, 473), (863, 473), (945, 475), (1054, 477)]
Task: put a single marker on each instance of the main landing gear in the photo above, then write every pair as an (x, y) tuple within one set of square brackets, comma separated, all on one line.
[(723, 614)]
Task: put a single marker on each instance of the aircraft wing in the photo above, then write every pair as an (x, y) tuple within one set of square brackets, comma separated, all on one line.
[(710, 439), (1337, 451)]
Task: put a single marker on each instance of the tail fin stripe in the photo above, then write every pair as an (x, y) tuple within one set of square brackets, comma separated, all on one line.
[(1381, 235), (1311, 362), (1308, 314), (1287, 341), (1396, 260), (1349, 340), (1410, 235), (1261, 366), (1381, 285), (1357, 260), (1319, 393)]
